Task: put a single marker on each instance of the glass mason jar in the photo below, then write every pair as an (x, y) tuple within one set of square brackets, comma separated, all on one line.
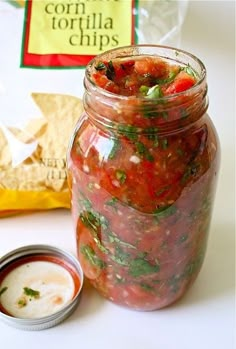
[(142, 174)]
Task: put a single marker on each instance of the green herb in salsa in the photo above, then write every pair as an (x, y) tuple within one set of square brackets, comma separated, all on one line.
[(121, 176), (139, 267), (92, 257)]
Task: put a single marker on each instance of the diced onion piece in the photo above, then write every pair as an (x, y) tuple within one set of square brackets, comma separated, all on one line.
[(135, 159)]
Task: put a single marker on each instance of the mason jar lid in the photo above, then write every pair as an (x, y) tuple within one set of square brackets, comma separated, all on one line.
[(40, 286)]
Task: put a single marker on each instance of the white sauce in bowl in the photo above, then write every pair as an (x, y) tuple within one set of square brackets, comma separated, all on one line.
[(36, 289)]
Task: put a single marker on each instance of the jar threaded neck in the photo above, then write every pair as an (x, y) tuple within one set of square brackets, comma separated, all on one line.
[(177, 110)]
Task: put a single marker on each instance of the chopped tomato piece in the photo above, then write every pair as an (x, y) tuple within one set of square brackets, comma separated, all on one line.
[(182, 82), (153, 67)]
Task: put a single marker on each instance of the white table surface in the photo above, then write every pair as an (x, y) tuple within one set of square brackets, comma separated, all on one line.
[(204, 318)]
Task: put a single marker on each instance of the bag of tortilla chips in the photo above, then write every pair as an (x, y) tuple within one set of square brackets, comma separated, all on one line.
[(45, 46)]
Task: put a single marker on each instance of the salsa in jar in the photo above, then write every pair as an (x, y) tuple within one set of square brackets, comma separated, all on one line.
[(142, 168)]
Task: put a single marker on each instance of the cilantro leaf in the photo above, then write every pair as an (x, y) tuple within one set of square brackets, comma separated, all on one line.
[(93, 220), (3, 290), (143, 90), (114, 238), (165, 211), (139, 267), (110, 73), (22, 302), (90, 255), (86, 203), (143, 150), (128, 131), (169, 79), (112, 202), (154, 92), (190, 71), (120, 257), (114, 149), (100, 66), (31, 293), (121, 176)]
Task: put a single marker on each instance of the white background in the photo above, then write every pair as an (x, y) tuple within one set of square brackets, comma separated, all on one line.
[(205, 317)]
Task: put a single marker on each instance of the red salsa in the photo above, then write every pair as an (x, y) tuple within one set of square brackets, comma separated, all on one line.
[(142, 175), (146, 76)]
